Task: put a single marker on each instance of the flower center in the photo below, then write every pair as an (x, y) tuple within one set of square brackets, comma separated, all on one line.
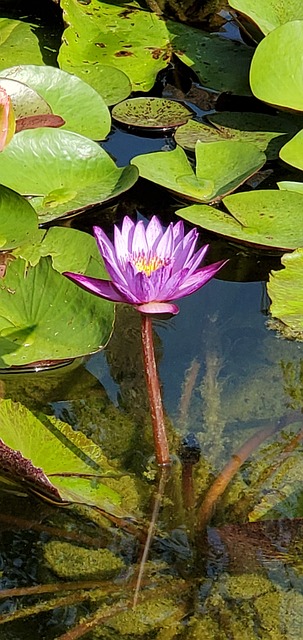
[(148, 263)]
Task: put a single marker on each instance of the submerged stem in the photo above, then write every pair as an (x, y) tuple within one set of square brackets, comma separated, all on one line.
[(151, 529), (219, 485), (154, 393)]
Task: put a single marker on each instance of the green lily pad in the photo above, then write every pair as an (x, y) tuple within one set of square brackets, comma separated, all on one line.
[(82, 108), (292, 152), (151, 113), (124, 36), (25, 101), (264, 219), (44, 316), (285, 291), (220, 64), (269, 14), (18, 43), (267, 132), (69, 249), (18, 220), (287, 185), (48, 457), (65, 171), (220, 168), (111, 83), (276, 69)]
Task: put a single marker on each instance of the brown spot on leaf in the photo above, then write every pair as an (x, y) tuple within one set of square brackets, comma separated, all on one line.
[(43, 120), (5, 259), (123, 54), (126, 13), (100, 44), (156, 54)]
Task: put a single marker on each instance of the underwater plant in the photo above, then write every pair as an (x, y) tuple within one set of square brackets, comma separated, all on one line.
[(150, 267)]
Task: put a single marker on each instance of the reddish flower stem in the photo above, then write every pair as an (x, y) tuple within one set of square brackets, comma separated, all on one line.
[(154, 393)]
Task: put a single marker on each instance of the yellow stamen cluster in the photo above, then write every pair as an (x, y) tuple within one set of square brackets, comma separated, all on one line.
[(148, 264)]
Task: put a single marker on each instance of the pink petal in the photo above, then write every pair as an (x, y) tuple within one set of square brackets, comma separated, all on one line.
[(105, 246), (154, 232), (142, 287), (165, 246), (102, 288), (114, 271), (158, 307), (128, 229), (172, 285), (196, 260), (183, 253), (139, 244), (178, 232), (120, 244), (198, 279)]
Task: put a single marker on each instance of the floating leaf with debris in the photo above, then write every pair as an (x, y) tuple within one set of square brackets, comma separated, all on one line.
[(47, 457), (151, 113)]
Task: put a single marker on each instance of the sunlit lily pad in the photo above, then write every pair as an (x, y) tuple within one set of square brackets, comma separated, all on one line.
[(287, 185), (18, 220), (44, 316), (220, 168), (112, 84), (82, 108), (292, 152), (65, 171), (285, 291), (276, 69), (265, 219), (220, 64), (151, 113), (18, 43), (25, 101), (46, 456), (267, 132), (269, 14), (124, 36), (69, 249)]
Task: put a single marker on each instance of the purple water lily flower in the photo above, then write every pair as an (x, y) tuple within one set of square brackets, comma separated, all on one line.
[(149, 267)]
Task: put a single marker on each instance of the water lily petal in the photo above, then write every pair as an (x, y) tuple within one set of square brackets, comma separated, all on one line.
[(165, 246), (185, 250), (178, 232), (102, 288), (105, 246), (196, 260), (143, 287), (113, 269), (158, 280), (172, 285), (158, 307), (128, 229), (198, 279), (154, 232), (139, 243)]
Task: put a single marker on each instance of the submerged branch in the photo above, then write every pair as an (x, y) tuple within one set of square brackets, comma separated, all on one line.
[(151, 529), (187, 391), (56, 587), (218, 487)]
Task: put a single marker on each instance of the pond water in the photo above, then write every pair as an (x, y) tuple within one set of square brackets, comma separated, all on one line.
[(222, 565), (226, 376)]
